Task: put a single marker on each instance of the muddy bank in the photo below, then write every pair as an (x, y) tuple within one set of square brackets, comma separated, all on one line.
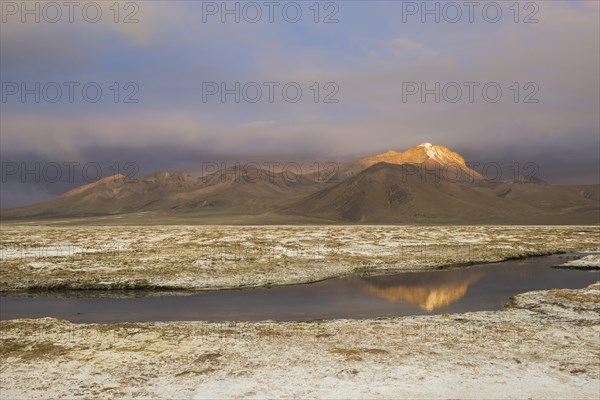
[(545, 345)]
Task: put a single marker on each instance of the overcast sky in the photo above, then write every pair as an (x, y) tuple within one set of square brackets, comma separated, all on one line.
[(366, 62)]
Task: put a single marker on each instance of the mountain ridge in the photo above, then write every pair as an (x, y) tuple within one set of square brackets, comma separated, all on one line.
[(412, 186)]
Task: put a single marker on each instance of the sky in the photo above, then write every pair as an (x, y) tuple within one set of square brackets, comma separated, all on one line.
[(360, 78)]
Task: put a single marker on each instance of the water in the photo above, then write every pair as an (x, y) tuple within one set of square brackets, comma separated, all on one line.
[(477, 288)]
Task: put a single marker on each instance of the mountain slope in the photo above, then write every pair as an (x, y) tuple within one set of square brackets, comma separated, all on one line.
[(390, 193)]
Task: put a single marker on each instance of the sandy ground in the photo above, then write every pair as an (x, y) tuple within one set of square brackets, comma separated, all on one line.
[(217, 257), (546, 345)]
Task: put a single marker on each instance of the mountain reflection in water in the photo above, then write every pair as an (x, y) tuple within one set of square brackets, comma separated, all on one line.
[(478, 288), (427, 290)]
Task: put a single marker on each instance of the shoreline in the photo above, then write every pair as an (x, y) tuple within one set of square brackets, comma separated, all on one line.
[(175, 291)]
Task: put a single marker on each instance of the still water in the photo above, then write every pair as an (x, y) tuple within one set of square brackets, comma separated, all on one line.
[(477, 288)]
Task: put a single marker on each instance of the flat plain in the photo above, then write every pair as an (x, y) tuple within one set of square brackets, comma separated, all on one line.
[(219, 257)]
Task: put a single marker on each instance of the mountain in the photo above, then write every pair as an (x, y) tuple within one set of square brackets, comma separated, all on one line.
[(110, 195), (427, 184), (430, 158), (237, 189), (391, 193), (425, 159)]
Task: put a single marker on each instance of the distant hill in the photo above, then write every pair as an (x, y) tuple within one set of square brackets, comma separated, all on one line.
[(247, 191), (427, 184)]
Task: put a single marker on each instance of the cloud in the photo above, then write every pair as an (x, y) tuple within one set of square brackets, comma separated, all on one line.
[(257, 124), (412, 47), (170, 52)]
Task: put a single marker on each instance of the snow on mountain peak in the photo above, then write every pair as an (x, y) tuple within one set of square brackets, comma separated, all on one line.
[(431, 150), (439, 153), (423, 153)]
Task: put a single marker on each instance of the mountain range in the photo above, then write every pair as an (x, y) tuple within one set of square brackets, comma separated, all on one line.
[(427, 184)]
